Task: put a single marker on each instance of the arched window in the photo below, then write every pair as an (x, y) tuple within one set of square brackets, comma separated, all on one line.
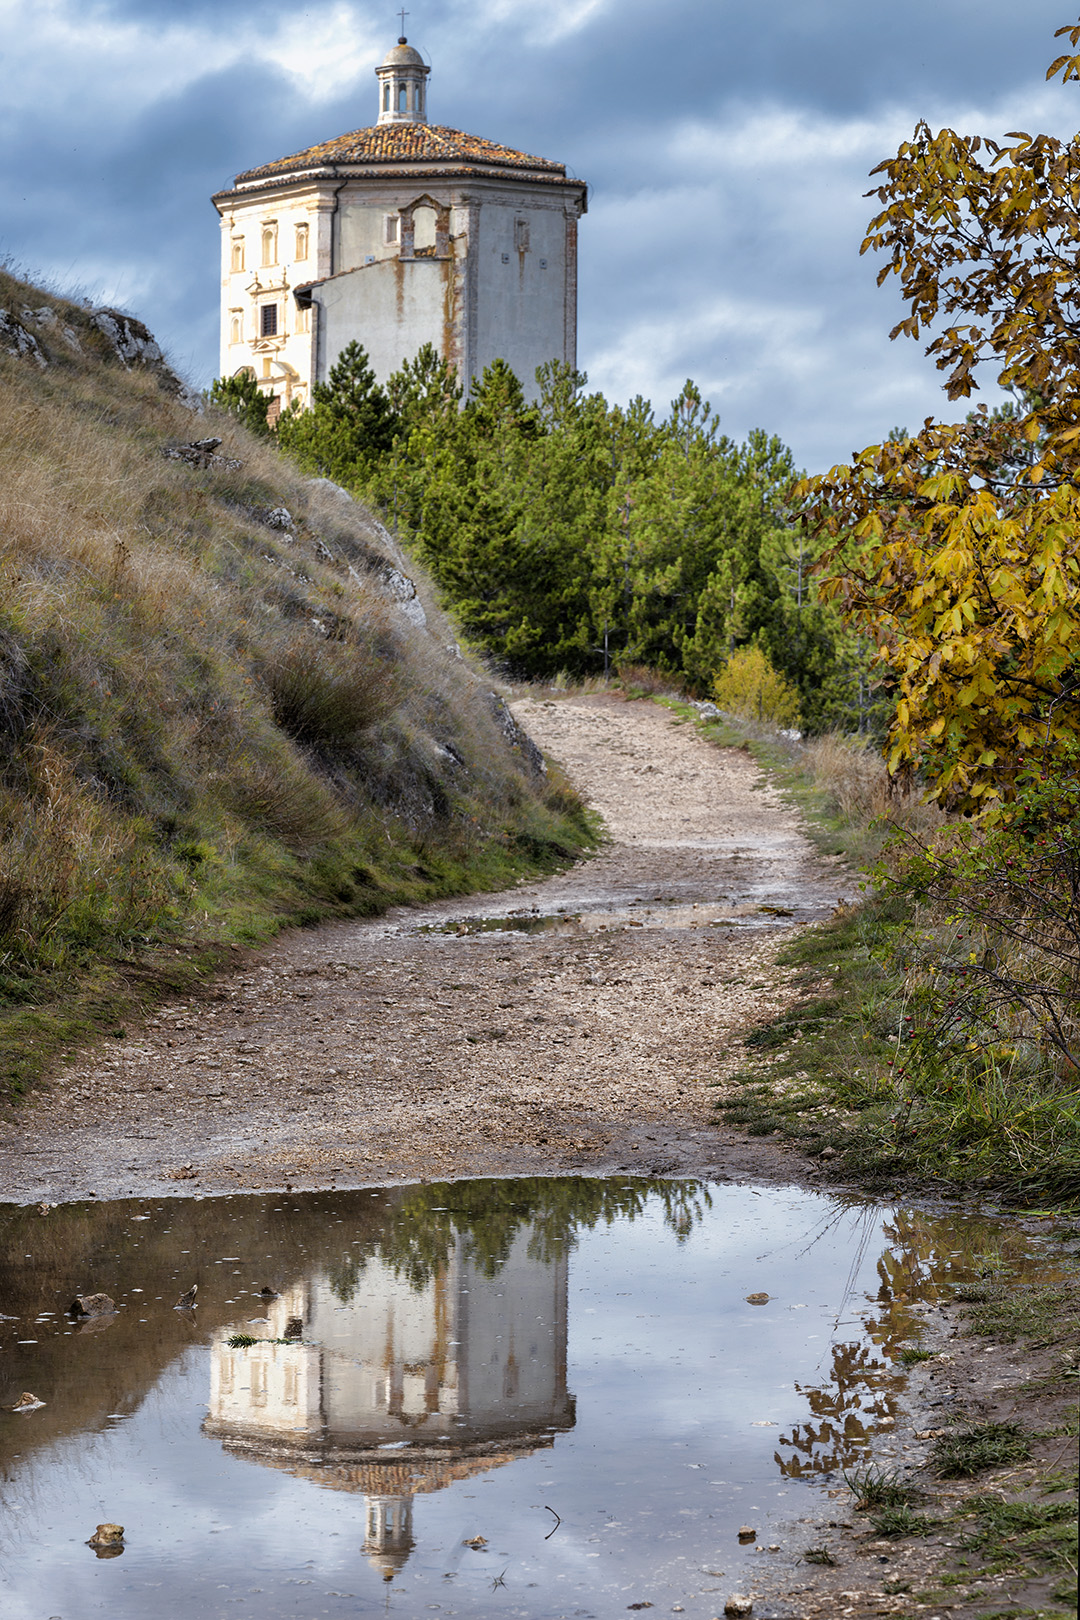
[(269, 244), (386, 96), (402, 98), (236, 326), (236, 259), (301, 242)]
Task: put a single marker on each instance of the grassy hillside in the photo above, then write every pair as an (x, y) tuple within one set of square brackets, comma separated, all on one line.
[(220, 708)]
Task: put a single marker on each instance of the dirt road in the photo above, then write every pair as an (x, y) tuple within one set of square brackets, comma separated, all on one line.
[(570, 1024)]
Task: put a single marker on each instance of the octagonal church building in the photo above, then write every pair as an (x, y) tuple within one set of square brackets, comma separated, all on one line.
[(396, 235)]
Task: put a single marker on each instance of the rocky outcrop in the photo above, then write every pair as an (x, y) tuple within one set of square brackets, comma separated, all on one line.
[(16, 340), (400, 588), (133, 344), (201, 453), (126, 340), (516, 735)]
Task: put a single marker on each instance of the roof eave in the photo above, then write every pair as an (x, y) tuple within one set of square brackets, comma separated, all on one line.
[(392, 168)]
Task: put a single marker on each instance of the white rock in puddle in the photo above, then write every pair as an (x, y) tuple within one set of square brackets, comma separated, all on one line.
[(26, 1403)]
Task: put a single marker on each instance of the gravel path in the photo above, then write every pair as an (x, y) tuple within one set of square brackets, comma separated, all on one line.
[(439, 1042)]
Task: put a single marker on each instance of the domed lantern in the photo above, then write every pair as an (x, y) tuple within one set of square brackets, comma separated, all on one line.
[(402, 79)]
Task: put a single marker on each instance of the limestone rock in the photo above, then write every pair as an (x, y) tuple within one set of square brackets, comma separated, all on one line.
[(107, 1540), (17, 341), (133, 344), (91, 1305), (328, 487), (402, 590), (737, 1604), (516, 735), (26, 1403), (201, 453), (49, 321)]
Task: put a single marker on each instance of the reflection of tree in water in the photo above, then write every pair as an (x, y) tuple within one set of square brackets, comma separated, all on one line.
[(427, 1220), (927, 1257), (861, 1394)]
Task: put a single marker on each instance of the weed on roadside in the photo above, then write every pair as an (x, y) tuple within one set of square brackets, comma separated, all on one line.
[(901, 1521), (1043, 1315), (1041, 1531), (961, 1453), (874, 1487)]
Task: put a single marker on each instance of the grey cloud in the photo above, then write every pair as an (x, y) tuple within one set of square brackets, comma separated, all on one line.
[(742, 271)]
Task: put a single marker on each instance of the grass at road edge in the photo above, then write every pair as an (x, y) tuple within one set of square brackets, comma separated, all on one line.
[(840, 1071)]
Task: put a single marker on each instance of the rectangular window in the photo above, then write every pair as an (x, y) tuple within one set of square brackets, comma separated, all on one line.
[(303, 320), (301, 242), (268, 320), (236, 259), (392, 232), (521, 235)]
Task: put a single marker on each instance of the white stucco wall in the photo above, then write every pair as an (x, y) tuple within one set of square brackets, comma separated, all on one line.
[(392, 307), (507, 289), (520, 304), (466, 1356), (282, 363)]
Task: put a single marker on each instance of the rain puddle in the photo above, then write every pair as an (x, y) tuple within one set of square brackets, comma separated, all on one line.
[(668, 914), (540, 1398)]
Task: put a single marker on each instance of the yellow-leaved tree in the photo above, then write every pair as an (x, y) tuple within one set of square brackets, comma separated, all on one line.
[(749, 686), (958, 548)]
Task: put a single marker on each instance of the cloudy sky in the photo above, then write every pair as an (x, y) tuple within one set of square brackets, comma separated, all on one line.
[(726, 144)]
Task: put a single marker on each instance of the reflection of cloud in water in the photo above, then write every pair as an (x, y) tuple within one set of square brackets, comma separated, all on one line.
[(402, 1388)]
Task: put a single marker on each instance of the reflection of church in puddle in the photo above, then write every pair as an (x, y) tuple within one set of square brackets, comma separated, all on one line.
[(457, 1377)]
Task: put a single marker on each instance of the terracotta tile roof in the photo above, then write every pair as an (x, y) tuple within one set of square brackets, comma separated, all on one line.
[(405, 143)]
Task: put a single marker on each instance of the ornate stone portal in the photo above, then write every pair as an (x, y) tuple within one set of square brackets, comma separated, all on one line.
[(398, 234)]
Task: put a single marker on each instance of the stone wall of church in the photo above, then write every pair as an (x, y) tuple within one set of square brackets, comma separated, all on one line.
[(392, 306), (522, 279)]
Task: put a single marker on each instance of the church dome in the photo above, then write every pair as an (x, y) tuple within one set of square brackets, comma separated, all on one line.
[(403, 55)]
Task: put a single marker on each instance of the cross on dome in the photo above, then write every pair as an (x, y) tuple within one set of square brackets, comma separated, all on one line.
[(402, 78)]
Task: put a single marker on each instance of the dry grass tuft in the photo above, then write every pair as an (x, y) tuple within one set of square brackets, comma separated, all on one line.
[(213, 721)]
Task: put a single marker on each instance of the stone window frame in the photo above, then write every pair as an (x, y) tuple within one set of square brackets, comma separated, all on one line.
[(270, 322), (268, 241), (407, 243), (236, 326), (302, 243), (236, 254)]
